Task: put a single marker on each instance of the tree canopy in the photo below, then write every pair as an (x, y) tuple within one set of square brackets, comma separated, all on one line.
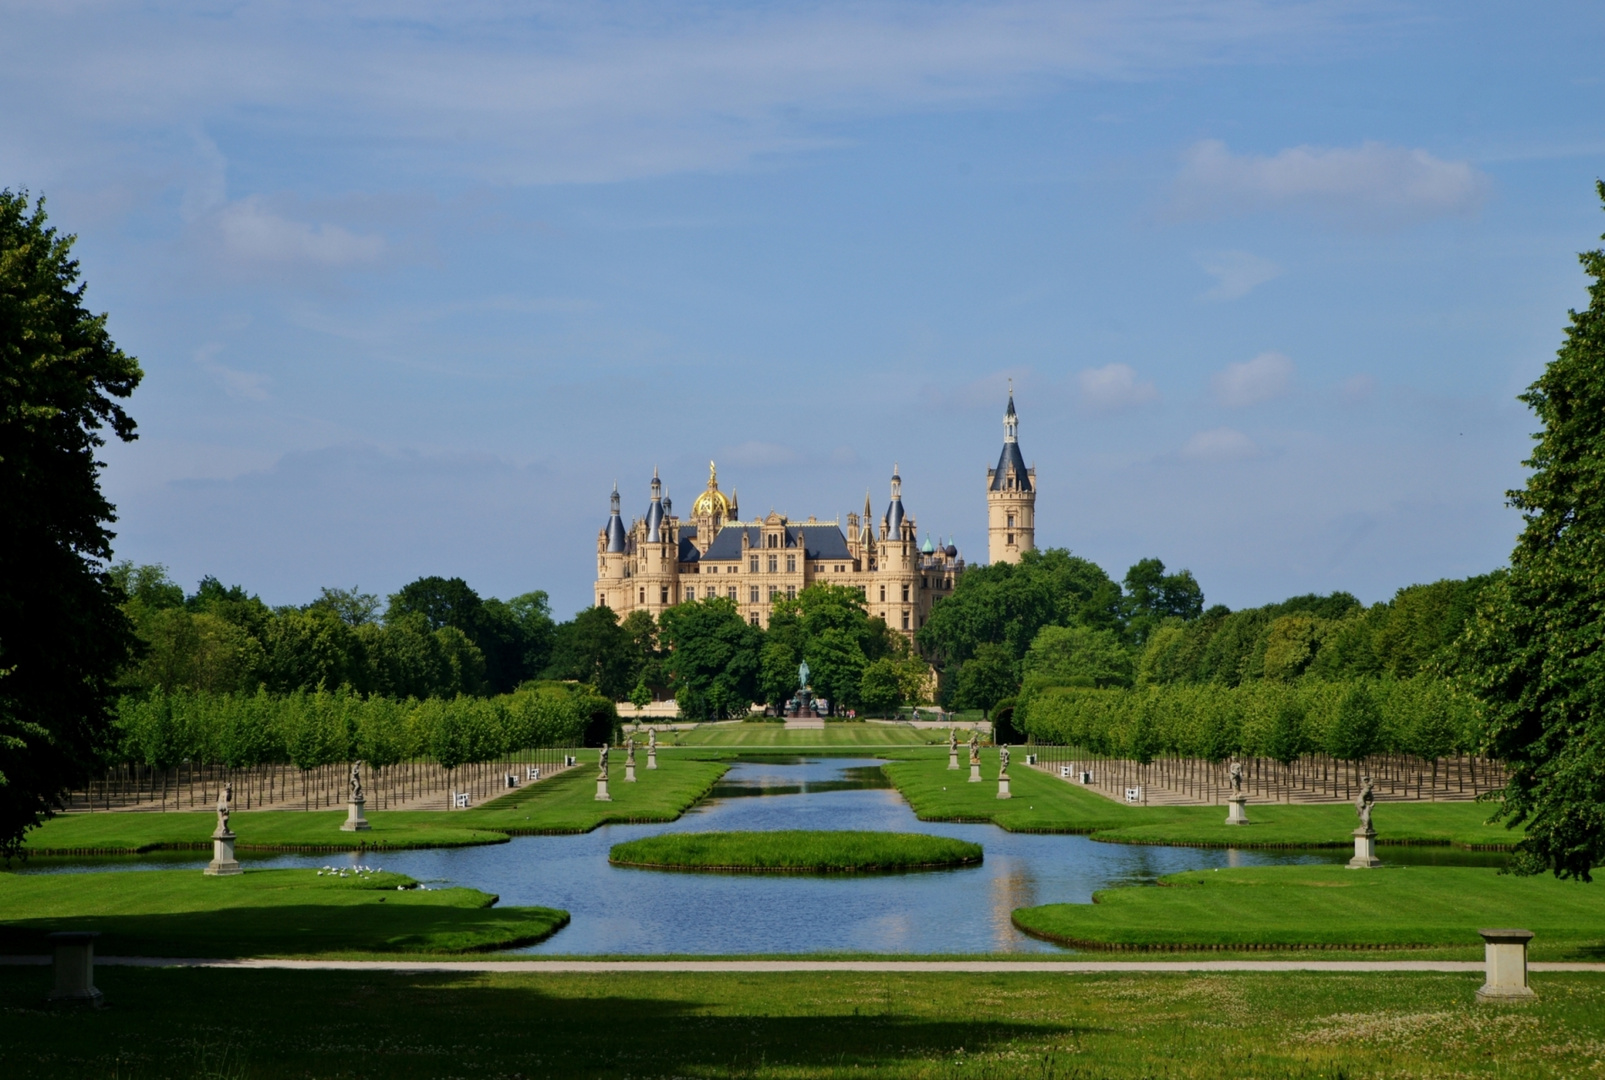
[(63, 635), (1534, 656)]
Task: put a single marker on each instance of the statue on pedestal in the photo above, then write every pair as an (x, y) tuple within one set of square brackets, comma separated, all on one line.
[(223, 863), (601, 776), (1003, 760), (629, 760), (1235, 776), (1365, 837), (975, 748), (1235, 801), (225, 799), (1363, 803), (356, 781)]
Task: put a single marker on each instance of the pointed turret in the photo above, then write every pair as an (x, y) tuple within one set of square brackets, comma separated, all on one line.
[(654, 512), (894, 512), (1011, 495), (615, 526)]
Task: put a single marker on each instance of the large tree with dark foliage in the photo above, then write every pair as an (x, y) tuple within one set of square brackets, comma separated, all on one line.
[(63, 636), (1537, 650)]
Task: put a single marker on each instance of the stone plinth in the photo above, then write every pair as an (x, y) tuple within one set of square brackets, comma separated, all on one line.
[(75, 967), (1365, 850), (1003, 788), (953, 760), (652, 758), (975, 773), (223, 863), (629, 772), (601, 791), (354, 821), (1506, 952), (1235, 814)]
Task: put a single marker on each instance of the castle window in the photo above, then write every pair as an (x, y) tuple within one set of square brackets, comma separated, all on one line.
[(752, 595), (883, 594), (753, 618), (905, 599), (752, 565), (665, 597), (1011, 538), (774, 590), (772, 541), (643, 596), (731, 593), (791, 592), (1011, 521), (925, 583), (905, 620), (791, 564), (690, 594), (774, 563)]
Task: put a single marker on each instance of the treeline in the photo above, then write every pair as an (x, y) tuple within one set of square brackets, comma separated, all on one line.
[(1011, 631), (1348, 720), (306, 730)]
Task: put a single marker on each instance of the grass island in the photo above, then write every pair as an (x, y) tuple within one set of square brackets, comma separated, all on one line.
[(796, 851)]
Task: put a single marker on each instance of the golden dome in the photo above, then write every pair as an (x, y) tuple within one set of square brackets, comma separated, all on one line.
[(712, 503)]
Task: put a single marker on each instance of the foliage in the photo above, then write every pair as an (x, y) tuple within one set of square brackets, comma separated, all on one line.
[(712, 658), (63, 636), (1535, 655), (828, 626)]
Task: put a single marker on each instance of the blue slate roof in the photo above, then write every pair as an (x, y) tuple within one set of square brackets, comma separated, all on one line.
[(816, 542), (1011, 456), (688, 550)]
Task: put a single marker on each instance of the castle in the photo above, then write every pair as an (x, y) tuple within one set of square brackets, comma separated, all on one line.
[(661, 560)]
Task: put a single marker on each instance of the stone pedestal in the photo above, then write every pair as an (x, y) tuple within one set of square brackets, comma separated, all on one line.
[(601, 791), (975, 774), (354, 821), (1506, 952), (953, 760), (629, 772), (75, 967), (1365, 850), (1235, 815), (652, 758), (1003, 787), (223, 863)]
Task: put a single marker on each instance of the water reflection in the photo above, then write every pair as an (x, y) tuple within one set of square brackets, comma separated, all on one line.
[(633, 911)]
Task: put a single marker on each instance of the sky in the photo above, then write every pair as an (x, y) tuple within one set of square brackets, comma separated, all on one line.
[(414, 284)]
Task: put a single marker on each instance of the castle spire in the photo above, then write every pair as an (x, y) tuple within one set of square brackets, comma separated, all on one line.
[(615, 525)]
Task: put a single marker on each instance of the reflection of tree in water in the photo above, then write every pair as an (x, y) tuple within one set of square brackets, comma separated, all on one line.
[(1014, 888)]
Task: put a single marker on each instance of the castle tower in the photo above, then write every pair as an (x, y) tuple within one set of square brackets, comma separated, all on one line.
[(1011, 496)]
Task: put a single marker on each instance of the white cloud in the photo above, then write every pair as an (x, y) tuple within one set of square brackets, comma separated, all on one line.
[(1236, 273), (1219, 444), (242, 385), (1113, 387), (1269, 375), (1372, 180), (252, 234)]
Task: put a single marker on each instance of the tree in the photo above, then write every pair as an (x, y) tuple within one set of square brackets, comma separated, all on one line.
[(880, 689), (1534, 655), (1077, 656), (1152, 596), (351, 606), (63, 636), (712, 657), (593, 648), (985, 679)]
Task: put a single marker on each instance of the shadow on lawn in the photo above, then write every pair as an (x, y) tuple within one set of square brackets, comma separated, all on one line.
[(298, 930), (403, 1026)]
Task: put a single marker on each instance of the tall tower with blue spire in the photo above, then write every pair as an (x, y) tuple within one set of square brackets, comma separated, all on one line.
[(1011, 496)]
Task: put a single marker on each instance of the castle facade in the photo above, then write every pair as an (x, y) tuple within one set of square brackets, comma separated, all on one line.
[(660, 560)]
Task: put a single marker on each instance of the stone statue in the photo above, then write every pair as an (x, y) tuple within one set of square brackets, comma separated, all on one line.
[(356, 781), (601, 764), (1363, 804), (1003, 759), (975, 748), (952, 740), (629, 750), (225, 801), (651, 739), (1235, 775), (802, 674)]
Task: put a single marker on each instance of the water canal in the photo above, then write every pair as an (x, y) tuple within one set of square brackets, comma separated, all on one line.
[(631, 911)]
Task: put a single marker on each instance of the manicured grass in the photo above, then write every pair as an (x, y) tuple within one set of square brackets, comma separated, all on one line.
[(254, 1025), (796, 851), (260, 913), (774, 733), (1045, 803), (565, 803), (1331, 906)]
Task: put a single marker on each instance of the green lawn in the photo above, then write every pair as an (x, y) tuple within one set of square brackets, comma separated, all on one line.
[(796, 850), (565, 803), (260, 913), (774, 733), (1045, 803), (256, 1025), (1332, 906)]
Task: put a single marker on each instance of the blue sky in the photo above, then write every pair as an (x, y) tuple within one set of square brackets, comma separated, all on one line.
[(413, 284)]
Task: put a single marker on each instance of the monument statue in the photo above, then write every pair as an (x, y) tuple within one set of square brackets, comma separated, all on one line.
[(629, 749), (1003, 759), (223, 863), (952, 740), (1362, 804), (601, 764), (975, 748), (651, 739), (802, 674), (356, 781), (225, 800), (1235, 775)]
